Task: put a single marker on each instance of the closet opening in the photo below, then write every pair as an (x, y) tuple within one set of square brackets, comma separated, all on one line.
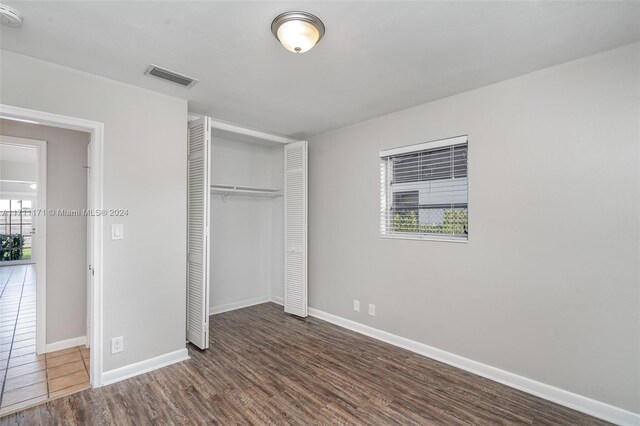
[(246, 224), (252, 218)]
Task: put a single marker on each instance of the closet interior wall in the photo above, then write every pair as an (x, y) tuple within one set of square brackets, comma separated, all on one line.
[(246, 235)]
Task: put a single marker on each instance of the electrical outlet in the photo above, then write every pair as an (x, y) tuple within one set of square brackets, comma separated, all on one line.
[(117, 345), (372, 310), (356, 305)]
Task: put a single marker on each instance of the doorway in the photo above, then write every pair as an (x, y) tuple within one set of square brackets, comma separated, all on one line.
[(49, 293), (91, 361)]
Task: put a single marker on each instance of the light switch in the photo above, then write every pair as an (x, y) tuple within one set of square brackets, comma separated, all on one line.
[(117, 232)]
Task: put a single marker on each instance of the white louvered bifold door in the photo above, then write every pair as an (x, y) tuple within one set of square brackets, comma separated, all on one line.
[(198, 232), (295, 228)]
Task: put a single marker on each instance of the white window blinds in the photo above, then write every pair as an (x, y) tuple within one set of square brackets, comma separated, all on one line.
[(424, 191)]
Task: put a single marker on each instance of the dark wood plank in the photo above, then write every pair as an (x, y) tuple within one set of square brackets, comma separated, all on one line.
[(266, 367)]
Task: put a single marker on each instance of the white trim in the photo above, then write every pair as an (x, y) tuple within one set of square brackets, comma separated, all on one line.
[(237, 305), (97, 142), (424, 237), (65, 344), (234, 128), (40, 252), (11, 180), (89, 248), (551, 393), (425, 145), (135, 369), (277, 300)]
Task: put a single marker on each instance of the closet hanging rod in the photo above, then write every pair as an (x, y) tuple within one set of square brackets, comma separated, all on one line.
[(245, 190)]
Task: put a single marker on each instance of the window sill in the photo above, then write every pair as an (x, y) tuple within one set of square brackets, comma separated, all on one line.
[(425, 238)]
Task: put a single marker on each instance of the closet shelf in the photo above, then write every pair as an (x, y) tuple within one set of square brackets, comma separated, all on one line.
[(245, 190)]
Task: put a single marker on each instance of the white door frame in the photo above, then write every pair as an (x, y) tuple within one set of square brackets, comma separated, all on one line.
[(96, 227), (39, 240), (89, 270)]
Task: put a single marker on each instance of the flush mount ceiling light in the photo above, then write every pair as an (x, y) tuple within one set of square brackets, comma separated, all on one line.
[(297, 31), (10, 17)]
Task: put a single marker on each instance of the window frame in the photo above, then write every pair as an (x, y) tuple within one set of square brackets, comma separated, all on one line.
[(385, 193)]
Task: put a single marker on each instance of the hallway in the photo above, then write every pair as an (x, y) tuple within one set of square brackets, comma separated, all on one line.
[(27, 378)]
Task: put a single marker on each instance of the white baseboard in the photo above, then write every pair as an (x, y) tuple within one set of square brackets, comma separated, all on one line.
[(237, 305), (560, 396), (277, 300), (64, 344), (145, 366)]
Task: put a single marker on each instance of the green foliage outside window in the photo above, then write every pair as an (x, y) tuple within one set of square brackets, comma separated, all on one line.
[(11, 247), (455, 222)]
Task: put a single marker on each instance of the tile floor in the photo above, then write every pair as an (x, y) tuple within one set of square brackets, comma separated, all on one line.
[(26, 378)]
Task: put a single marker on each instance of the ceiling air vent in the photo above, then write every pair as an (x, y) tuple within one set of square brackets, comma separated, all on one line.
[(171, 76)]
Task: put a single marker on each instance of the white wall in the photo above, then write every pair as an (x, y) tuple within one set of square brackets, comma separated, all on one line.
[(243, 262), (548, 286), (144, 172), (66, 235), (16, 170), (15, 177)]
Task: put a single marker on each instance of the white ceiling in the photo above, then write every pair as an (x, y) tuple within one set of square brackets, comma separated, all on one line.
[(376, 57)]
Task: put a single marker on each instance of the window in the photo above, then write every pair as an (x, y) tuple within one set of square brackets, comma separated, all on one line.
[(424, 191), (15, 230)]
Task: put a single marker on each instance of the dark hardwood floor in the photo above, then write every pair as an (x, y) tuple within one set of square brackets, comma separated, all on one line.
[(265, 367)]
